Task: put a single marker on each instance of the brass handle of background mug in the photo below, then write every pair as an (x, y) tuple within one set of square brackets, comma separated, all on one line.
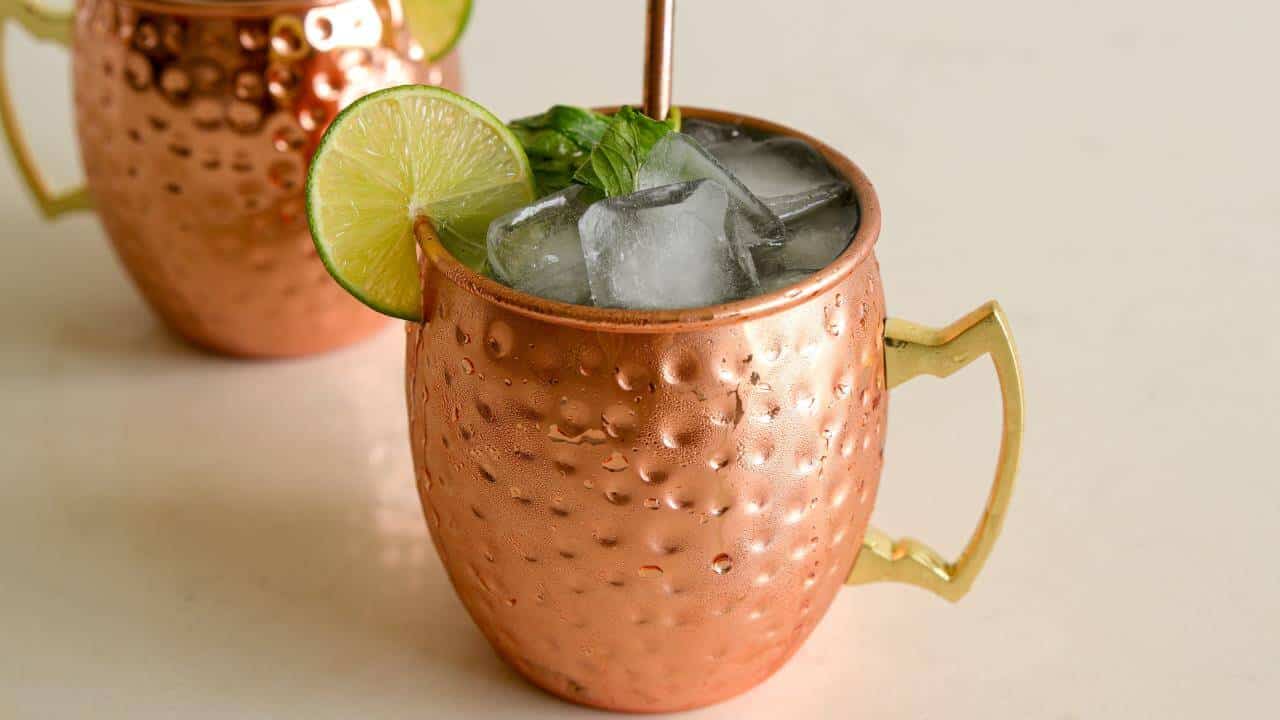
[(912, 350), (44, 24)]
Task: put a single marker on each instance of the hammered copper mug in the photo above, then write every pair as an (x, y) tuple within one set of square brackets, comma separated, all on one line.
[(197, 120), (650, 511)]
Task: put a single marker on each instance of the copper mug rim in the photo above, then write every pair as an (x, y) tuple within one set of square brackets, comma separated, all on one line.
[(229, 8), (666, 321)]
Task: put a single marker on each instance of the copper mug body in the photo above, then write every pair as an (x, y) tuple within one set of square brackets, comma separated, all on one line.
[(651, 511), (196, 121)]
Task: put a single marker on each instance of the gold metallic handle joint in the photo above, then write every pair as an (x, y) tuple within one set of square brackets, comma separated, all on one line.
[(53, 26), (912, 350)]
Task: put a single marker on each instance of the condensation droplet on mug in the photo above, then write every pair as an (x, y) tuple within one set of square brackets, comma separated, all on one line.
[(499, 339), (721, 564), (468, 367), (615, 462), (649, 571), (652, 477), (559, 507), (631, 377), (591, 436), (651, 503), (617, 497)]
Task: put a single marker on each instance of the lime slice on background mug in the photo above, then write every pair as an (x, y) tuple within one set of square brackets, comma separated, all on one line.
[(437, 24)]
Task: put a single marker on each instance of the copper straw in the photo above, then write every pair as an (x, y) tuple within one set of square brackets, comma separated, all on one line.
[(659, 45)]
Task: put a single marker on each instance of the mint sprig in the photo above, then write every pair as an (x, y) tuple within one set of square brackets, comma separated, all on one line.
[(569, 145), (611, 167)]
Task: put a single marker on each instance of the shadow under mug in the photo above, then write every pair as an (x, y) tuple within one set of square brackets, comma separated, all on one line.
[(196, 123), (650, 511)]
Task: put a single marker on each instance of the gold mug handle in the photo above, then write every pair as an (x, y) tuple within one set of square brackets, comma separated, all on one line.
[(912, 350), (55, 26)]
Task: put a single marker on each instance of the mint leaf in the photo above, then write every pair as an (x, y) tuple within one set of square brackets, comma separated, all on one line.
[(583, 127), (611, 167), (558, 142), (553, 157)]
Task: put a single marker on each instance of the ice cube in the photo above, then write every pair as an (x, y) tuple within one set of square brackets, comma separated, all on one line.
[(678, 158), (790, 208), (813, 241), (667, 247), (707, 132), (537, 248), (777, 166)]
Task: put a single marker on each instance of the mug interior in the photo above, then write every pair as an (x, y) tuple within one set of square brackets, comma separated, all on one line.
[(662, 321)]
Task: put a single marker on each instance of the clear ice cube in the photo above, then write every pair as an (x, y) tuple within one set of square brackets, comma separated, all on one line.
[(667, 247), (792, 207), (777, 166), (537, 248), (813, 241), (707, 132), (678, 158)]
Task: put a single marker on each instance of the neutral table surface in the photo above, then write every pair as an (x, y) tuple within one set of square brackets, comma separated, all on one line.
[(183, 536)]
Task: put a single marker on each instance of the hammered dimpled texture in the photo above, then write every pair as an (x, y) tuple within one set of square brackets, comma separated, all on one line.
[(196, 126), (648, 521)]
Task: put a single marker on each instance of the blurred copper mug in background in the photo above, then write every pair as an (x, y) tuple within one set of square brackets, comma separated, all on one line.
[(650, 511), (197, 120)]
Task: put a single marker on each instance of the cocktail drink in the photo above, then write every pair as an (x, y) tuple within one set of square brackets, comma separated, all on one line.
[(717, 213), (647, 375)]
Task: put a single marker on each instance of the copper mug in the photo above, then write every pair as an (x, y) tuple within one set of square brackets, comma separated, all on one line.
[(650, 511), (197, 120)]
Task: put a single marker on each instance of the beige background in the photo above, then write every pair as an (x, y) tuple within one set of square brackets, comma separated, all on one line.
[(184, 536)]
